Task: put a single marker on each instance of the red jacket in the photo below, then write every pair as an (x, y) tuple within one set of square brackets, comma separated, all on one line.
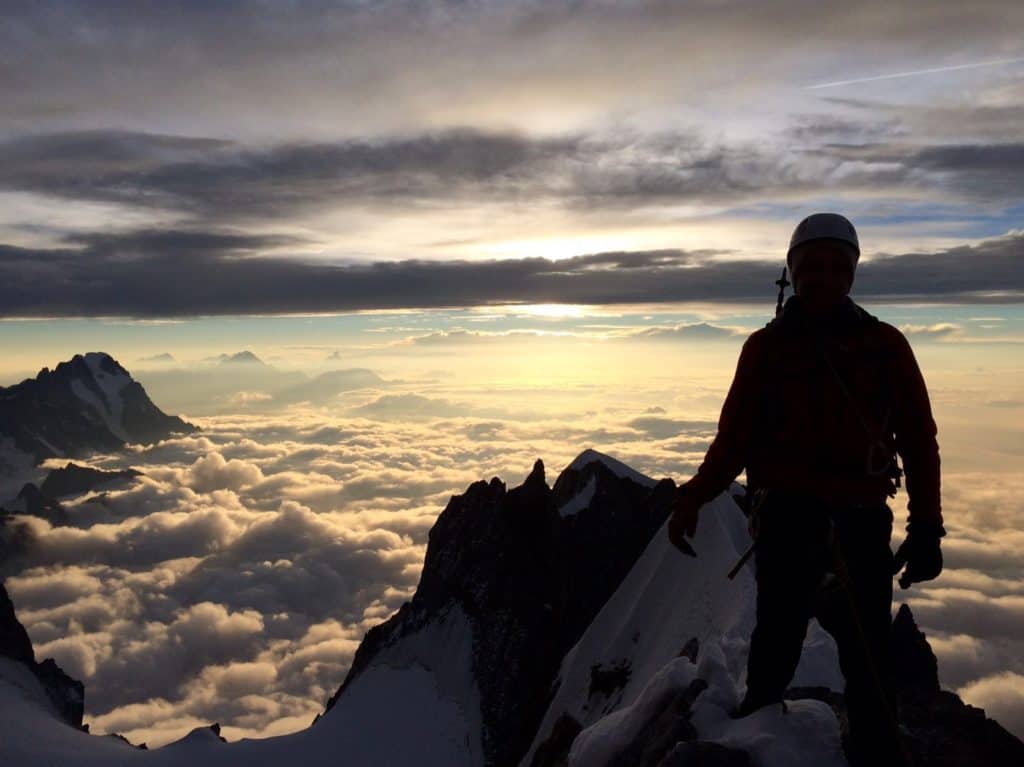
[(787, 420)]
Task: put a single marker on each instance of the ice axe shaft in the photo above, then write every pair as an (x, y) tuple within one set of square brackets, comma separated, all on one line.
[(759, 498), (684, 546), (742, 560)]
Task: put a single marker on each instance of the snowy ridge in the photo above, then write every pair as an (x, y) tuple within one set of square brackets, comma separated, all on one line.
[(415, 709), (111, 408), (617, 467), (581, 500), (87, 404), (667, 599)]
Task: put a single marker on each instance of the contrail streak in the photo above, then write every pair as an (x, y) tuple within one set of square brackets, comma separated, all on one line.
[(915, 72)]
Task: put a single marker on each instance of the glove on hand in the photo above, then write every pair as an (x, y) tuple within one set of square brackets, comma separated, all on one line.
[(683, 521), (921, 553)]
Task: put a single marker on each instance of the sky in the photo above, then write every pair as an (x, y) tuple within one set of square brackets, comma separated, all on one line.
[(542, 227)]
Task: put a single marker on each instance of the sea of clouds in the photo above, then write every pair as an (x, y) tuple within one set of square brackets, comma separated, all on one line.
[(234, 579)]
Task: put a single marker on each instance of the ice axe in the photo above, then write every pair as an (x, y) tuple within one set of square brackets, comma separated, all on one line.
[(683, 545), (677, 534), (742, 560), (678, 538), (759, 496)]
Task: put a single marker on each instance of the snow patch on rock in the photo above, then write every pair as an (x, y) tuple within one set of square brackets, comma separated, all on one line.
[(581, 500), (110, 384)]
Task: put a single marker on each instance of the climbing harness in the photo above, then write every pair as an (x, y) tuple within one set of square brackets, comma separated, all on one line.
[(891, 467)]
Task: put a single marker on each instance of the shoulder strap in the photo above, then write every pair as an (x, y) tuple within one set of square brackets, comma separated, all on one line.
[(774, 332), (876, 435)]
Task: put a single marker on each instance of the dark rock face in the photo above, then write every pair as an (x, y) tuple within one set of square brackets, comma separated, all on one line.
[(14, 641), (38, 504), (943, 730), (914, 662), (73, 479), (42, 501), (58, 413), (67, 694), (530, 580)]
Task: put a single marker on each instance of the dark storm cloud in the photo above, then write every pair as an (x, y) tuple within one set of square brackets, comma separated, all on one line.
[(220, 182), (979, 172), (174, 274)]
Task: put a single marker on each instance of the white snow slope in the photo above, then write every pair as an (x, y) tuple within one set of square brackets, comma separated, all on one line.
[(666, 599), (420, 706), (111, 411)]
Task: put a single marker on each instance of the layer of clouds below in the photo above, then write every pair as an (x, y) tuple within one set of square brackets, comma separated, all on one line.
[(234, 580), (142, 275)]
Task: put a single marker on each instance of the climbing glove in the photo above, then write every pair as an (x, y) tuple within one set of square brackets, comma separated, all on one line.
[(683, 521), (921, 553)]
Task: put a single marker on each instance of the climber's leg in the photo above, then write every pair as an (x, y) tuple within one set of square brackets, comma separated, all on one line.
[(859, 617), (785, 576)]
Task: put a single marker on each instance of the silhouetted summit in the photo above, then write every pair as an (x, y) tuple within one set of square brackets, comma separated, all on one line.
[(88, 403)]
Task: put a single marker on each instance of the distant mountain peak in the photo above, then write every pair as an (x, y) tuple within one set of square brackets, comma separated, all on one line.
[(244, 357), (617, 467), (162, 357), (87, 403)]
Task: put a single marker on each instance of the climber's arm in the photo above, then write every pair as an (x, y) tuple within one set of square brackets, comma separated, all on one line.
[(725, 456), (916, 438)]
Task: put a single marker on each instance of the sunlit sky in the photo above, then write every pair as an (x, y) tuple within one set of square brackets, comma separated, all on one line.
[(545, 226)]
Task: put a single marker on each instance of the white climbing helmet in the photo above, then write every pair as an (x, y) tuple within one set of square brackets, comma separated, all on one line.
[(819, 226)]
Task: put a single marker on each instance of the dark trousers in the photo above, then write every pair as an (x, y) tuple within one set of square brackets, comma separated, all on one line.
[(832, 562)]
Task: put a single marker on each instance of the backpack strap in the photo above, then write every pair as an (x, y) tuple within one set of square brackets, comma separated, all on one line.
[(775, 330)]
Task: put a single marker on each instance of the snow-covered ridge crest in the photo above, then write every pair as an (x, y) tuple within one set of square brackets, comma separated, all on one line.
[(103, 391), (87, 404), (630, 662), (617, 467)]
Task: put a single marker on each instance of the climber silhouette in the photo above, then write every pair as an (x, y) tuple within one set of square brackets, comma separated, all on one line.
[(823, 399)]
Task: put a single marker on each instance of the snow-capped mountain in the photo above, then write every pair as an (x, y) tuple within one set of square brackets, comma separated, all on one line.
[(520, 581), (556, 625), (84, 404)]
